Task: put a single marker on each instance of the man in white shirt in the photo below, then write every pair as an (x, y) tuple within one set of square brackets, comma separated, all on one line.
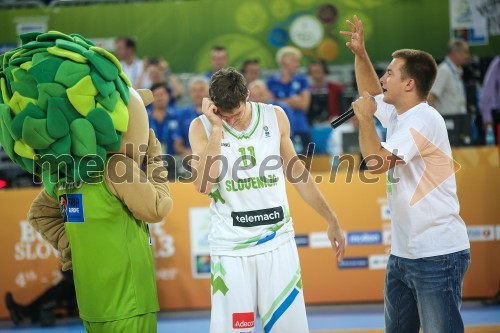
[(448, 92), (133, 67), (430, 247)]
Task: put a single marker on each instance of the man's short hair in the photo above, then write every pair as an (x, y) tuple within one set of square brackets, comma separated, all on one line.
[(228, 89), (455, 45), (320, 62), (219, 48), (420, 66), (129, 42), (286, 50), (160, 85), (247, 63)]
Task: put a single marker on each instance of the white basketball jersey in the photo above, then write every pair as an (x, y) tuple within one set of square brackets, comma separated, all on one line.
[(249, 207)]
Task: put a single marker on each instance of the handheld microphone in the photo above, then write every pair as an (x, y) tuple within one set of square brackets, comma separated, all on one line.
[(346, 116), (343, 118)]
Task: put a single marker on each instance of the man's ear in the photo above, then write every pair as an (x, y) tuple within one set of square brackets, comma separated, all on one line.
[(410, 85), (146, 96)]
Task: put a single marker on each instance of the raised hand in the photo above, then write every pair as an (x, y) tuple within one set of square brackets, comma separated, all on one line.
[(357, 43), (210, 111)]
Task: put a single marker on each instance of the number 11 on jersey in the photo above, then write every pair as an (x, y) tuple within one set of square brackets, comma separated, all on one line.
[(245, 156)]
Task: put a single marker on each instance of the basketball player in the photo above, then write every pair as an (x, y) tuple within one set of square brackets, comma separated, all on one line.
[(242, 152)]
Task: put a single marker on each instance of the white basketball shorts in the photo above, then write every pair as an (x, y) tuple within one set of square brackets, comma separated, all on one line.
[(269, 283)]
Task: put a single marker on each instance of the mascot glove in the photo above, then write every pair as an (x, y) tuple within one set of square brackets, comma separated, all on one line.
[(154, 149)]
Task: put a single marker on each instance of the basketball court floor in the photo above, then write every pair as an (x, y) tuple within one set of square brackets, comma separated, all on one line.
[(366, 318)]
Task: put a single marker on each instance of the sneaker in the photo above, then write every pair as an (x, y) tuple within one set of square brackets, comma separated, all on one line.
[(13, 308)]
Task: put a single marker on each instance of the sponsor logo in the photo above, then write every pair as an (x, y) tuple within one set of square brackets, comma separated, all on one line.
[(202, 264), (243, 320), (348, 263), (266, 131), (481, 233), (378, 261), (71, 206), (301, 240), (75, 207), (258, 217), (166, 274), (364, 238), (319, 240), (199, 228), (225, 144)]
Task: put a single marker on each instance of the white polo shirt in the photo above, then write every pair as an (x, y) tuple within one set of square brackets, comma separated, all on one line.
[(449, 89), (425, 214), (134, 71)]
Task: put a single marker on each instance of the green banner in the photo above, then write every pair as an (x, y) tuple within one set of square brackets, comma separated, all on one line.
[(183, 32)]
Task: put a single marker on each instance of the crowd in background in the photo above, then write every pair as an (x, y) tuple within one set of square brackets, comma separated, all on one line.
[(310, 98)]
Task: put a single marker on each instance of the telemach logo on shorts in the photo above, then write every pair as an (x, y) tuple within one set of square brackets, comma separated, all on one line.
[(243, 320), (257, 217)]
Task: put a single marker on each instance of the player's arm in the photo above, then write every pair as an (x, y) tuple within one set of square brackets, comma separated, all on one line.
[(295, 169), (366, 77), (206, 159), (45, 217)]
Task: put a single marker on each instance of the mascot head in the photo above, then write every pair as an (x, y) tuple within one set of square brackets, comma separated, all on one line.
[(64, 105)]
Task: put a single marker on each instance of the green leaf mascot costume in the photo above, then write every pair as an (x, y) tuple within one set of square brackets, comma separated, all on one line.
[(69, 116)]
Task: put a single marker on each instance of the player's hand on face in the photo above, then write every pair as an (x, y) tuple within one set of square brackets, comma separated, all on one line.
[(364, 107), (210, 111), (337, 239), (357, 42)]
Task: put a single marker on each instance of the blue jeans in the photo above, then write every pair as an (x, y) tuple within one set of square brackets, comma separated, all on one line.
[(425, 293)]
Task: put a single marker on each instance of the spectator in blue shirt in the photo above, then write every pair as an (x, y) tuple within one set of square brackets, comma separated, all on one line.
[(293, 89), (198, 88), (162, 118)]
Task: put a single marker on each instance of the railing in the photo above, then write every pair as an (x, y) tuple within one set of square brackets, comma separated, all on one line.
[(6, 4), (50, 4)]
